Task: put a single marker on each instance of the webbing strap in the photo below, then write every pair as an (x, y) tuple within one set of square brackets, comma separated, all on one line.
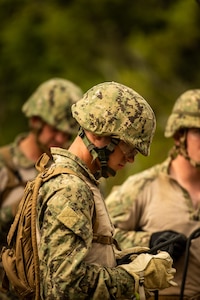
[(34, 239), (42, 162), (102, 239), (106, 240), (47, 173)]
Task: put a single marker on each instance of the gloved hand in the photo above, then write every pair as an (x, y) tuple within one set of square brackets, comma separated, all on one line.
[(154, 271), (175, 248), (125, 256)]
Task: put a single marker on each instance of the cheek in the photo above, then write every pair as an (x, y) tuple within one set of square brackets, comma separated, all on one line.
[(61, 138), (193, 145), (46, 136), (115, 158)]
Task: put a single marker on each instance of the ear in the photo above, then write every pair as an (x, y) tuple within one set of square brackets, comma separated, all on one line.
[(36, 123), (178, 135), (97, 140), (101, 141)]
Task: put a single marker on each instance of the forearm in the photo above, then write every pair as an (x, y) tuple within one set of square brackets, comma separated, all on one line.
[(89, 282), (65, 275), (131, 238)]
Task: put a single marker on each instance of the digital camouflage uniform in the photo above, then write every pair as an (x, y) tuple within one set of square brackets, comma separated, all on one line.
[(153, 201), (71, 266), (51, 102), (71, 212)]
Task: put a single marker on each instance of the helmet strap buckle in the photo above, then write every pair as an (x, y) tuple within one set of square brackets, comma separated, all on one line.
[(101, 153)]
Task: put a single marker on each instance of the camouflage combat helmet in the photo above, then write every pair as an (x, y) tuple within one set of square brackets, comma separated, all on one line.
[(185, 113), (112, 109), (52, 102)]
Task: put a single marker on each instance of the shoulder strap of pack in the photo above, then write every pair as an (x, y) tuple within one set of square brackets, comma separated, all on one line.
[(47, 173)]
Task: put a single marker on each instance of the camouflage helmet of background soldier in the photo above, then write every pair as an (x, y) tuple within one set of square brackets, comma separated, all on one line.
[(52, 102), (185, 114), (113, 109)]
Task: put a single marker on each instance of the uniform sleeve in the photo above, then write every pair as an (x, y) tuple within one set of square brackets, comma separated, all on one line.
[(3, 178), (6, 219), (125, 205), (6, 213), (66, 237)]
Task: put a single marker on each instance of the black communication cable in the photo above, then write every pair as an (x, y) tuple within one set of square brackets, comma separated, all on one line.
[(195, 234)]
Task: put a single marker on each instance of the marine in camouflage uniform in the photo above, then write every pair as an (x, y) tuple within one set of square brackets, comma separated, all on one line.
[(51, 123), (76, 248), (160, 202)]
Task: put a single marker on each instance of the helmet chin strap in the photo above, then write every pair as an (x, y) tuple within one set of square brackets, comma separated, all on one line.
[(181, 149), (101, 153)]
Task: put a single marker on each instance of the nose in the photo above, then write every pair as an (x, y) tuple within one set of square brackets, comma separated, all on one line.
[(61, 137), (130, 159)]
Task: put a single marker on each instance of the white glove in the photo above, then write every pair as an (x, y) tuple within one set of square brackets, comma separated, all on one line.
[(155, 272)]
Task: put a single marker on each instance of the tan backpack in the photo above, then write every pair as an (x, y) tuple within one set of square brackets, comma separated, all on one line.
[(20, 258)]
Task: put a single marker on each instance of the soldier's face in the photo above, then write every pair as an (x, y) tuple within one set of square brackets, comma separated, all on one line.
[(193, 143), (121, 155), (51, 137)]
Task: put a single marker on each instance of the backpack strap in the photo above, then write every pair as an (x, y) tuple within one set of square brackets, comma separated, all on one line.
[(42, 162), (34, 238), (106, 240)]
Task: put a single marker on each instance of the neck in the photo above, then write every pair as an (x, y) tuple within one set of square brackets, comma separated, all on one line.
[(79, 149), (188, 177), (182, 170)]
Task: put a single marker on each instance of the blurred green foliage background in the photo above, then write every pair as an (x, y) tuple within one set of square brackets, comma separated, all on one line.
[(152, 46)]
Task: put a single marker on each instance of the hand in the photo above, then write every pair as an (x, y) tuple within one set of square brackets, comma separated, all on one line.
[(155, 270), (175, 248), (125, 256)]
